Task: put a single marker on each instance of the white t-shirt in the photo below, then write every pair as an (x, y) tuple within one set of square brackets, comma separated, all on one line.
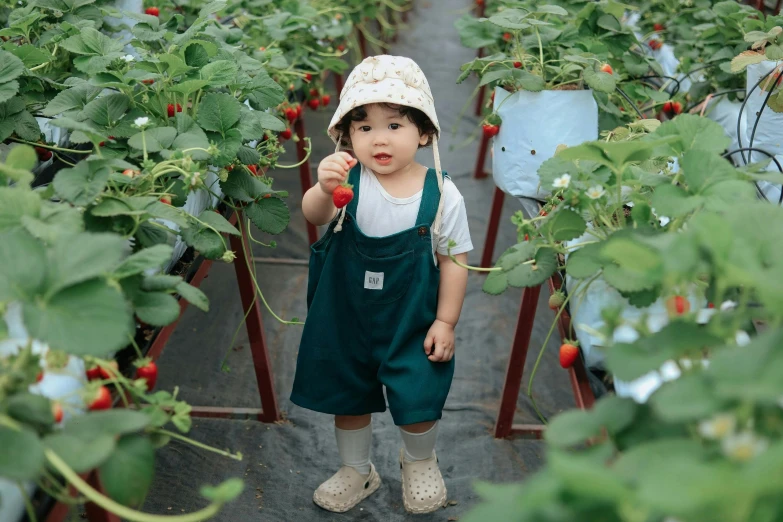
[(380, 214)]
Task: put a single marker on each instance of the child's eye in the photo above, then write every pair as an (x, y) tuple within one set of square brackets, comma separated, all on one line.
[(364, 128), (394, 126)]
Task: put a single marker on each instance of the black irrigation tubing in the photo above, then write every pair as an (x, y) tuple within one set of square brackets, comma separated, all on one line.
[(714, 95), (631, 103), (674, 92), (777, 164), (758, 116)]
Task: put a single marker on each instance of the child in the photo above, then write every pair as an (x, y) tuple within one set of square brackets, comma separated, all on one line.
[(383, 296)]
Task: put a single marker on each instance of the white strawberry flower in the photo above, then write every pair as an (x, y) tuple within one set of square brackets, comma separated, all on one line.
[(595, 192), (741, 338), (562, 182), (718, 427), (128, 58), (743, 446), (141, 122)]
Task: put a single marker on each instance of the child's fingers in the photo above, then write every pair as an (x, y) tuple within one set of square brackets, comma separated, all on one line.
[(428, 342), (334, 170), (437, 354), (338, 159), (350, 160)]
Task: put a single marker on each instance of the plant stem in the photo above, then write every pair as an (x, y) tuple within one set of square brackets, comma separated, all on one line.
[(28, 506), (173, 435), (116, 508), (50, 147), (308, 149)]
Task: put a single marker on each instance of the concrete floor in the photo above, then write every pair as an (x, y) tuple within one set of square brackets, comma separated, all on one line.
[(283, 463)]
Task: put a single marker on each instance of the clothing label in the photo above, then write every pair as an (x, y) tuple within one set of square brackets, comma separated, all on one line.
[(373, 280)]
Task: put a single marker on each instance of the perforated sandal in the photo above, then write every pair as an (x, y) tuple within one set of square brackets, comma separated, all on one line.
[(423, 488), (345, 489)]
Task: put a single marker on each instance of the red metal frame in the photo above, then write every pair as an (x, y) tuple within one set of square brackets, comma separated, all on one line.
[(305, 174), (94, 513), (492, 228), (481, 159), (583, 394), (482, 90)]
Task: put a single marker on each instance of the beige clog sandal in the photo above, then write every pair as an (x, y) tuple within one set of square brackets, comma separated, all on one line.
[(346, 488), (423, 489)]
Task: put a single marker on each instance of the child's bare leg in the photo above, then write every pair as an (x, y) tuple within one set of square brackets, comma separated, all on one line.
[(352, 422)]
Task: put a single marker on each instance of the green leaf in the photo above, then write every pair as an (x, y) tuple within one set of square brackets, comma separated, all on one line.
[(193, 295), (92, 42), (70, 99), (196, 55), (265, 93), (15, 203), (22, 265), (153, 257), (127, 474), (8, 90), (672, 201), (496, 283), (269, 121), (615, 413), (21, 157), (91, 318), (11, 67), (571, 428), (585, 261), (218, 222), (270, 215), (566, 225), (30, 409), (83, 183), (80, 455), (633, 256), (475, 34), (220, 72), (745, 58), (96, 256), (529, 81), (242, 186), (533, 274), (26, 127), (31, 55), (510, 19), (208, 242), (156, 308), (22, 457), (695, 132), (218, 112), (225, 492), (585, 475), (160, 282), (248, 156), (189, 86), (157, 139), (551, 9), (600, 81), (109, 422), (107, 110), (494, 76)]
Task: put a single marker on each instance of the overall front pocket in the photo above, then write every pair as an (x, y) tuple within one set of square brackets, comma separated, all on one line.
[(381, 280)]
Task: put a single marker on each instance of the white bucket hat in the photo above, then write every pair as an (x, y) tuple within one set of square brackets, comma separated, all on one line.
[(389, 79)]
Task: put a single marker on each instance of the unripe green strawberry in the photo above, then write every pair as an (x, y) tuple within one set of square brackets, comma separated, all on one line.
[(556, 300)]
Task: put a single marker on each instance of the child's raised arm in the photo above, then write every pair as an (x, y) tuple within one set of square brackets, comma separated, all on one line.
[(317, 204)]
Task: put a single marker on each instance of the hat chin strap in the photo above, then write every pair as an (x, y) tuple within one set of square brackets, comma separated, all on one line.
[(438, 215)]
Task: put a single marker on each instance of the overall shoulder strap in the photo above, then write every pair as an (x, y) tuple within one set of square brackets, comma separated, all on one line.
[(429, 199), (354, 178)]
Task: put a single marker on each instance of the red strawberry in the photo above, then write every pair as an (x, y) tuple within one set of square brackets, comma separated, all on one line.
[(57, 411), (286, 134), (39, 377), (154, 11), (101, 144), (130, 173), (710, 305), (568, 354), (607, 68), (658, 27), (556, 300), (655, 44), (325, 99), (677, 305), (667, 107), (93, 373), (107, 372), (517, 65), (490, 130), (308, 77), (148, 82), (298, 110), (342, 195), (479, 2), (290, 114), (677, 107), (148, 372), (102, 399), (313, 93), (253, 169), (507, 36), (43, 154), (341, 47), (166, 200), (313, 103), (170, 109)]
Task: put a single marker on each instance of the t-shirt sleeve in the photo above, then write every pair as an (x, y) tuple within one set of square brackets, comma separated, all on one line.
[(455, 222)]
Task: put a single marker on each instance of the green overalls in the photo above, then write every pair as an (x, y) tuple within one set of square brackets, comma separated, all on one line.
[(371, 302)]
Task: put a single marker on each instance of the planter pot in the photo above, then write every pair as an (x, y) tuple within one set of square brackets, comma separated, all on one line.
[(769, 132), (534, 124)]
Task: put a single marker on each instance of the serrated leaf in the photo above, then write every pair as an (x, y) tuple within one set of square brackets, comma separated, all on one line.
[(193, 296), (157, 139), (107, 110), (73, 98), (208, 242), (218, 112), (628, 281), (81, 184), (599, 81), (220, 72), (533, 274), (153, 258), (745, 58), (11, 67), (270, 215), (156, 308), (496, 283), (218, 222), (566, 225), (241, 186)]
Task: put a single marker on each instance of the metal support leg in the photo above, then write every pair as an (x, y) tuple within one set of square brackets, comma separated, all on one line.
[(492, 228), (305, 175), (481, 159)]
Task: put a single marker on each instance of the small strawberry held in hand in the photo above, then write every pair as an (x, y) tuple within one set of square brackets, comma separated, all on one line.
[(342, 195), (568, 354), (153, 11)]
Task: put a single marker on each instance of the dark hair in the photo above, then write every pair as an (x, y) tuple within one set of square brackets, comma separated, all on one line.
[(417, 117)]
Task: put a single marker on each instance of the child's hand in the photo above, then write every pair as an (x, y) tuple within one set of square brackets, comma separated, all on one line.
[(333, 170), (439, 343)]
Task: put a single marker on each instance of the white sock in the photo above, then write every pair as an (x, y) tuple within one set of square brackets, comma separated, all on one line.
[(419, 446), (354, 447)]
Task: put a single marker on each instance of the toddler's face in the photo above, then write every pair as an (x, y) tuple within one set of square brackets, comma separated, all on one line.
[(385, 141)]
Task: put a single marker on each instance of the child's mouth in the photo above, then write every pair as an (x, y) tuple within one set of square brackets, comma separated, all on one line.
[(383, 159)]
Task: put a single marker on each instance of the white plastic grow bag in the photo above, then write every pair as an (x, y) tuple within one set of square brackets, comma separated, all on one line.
[(726, 113), (769, 132), (534, 124)]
